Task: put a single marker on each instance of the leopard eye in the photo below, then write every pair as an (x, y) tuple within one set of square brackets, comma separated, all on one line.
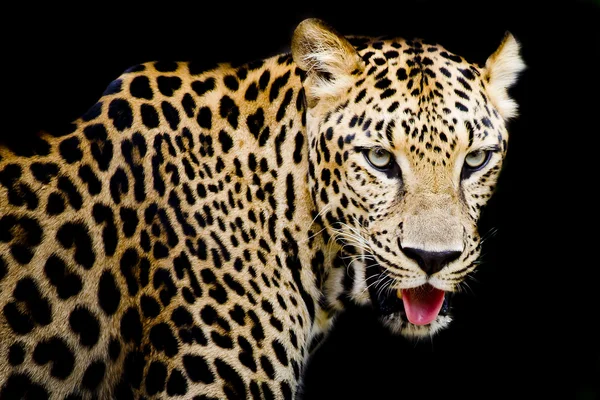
[(379, 158), (477, 159)]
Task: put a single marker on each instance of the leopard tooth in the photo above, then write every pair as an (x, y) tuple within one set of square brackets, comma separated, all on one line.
[(399, 293)]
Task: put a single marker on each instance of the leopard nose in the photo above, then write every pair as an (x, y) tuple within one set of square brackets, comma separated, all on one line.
[(431, 261)]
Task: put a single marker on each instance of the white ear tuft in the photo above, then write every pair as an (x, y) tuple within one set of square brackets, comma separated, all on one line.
[(503, 68), (327, 57)]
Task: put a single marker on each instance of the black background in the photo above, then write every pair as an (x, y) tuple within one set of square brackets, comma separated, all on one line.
[(528, 326)]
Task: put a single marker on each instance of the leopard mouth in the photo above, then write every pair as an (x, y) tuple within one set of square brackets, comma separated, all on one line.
[(421, 305)]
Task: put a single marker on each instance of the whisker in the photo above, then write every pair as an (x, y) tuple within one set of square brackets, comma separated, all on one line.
[(488, 235), (320, 213)]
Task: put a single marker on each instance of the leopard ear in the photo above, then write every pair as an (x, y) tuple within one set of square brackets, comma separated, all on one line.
[(327, 57), (502, 70)]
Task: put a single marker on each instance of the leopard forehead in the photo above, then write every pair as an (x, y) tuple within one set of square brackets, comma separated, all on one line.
[(419, 98)]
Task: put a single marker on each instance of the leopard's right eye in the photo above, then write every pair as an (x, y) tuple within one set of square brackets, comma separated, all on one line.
[(379, 158)]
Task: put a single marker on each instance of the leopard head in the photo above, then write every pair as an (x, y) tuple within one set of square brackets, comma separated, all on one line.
[(406, 142)]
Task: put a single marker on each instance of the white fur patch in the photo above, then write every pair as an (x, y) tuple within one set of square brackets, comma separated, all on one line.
[(503, 68), (332, 59), (327, 58)]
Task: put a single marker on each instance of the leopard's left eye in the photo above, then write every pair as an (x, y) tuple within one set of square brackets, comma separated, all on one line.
[(477, 159), (379, 158)]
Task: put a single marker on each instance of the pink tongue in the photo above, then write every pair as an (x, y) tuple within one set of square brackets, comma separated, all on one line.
[(422, 304)]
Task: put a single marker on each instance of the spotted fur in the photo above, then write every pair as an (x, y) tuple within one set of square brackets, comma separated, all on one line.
[(196, 231)]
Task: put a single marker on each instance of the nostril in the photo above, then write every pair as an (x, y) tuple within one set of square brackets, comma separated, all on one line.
[(431, 261)]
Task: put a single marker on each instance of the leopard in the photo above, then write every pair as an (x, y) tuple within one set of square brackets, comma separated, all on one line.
[(197, 231)]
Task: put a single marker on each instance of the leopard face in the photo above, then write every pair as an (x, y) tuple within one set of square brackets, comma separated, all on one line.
[(406, 144)]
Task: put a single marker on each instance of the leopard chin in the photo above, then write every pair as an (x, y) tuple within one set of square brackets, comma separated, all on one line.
[(399, 325), (417, 312)]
